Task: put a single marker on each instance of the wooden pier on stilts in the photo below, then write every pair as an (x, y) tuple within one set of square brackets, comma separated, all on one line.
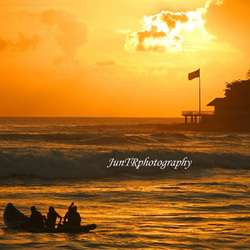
[(196, 116)]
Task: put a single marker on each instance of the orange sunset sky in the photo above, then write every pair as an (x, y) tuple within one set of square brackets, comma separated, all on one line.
[(119, 57)]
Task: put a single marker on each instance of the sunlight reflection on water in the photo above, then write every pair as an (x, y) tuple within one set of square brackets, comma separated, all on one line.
[(134, 213)]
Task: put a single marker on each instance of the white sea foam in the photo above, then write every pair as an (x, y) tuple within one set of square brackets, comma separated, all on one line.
[(56, 164), (82, 147)]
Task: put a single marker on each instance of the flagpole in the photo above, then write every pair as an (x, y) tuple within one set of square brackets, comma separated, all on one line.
[(191, 76), (200, 94)]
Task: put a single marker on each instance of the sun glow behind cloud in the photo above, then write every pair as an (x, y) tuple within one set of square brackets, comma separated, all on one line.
[(165, 31), (68, 58)]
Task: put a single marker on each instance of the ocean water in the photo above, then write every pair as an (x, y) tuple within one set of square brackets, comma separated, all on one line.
[(144, 187)]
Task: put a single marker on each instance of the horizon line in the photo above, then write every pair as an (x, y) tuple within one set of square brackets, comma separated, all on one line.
[(138, 117)]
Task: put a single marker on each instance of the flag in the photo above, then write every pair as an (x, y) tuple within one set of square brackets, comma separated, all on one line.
[(194, 74)]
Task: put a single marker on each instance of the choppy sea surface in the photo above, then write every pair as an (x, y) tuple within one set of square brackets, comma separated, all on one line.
[(55, 161)]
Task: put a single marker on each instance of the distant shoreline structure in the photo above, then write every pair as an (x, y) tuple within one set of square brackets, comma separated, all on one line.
[(231, 113)]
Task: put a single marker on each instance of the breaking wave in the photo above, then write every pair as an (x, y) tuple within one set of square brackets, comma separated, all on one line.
[(57, 164), (97, 137)]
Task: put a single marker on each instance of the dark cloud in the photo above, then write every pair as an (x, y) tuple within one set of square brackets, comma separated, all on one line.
[(4, 44), (22, 43), (152, 33), (105, 63), (171, 19), (73, 33)]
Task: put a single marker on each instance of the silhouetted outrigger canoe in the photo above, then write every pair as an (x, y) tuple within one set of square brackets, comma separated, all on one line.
[(15, 219)]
